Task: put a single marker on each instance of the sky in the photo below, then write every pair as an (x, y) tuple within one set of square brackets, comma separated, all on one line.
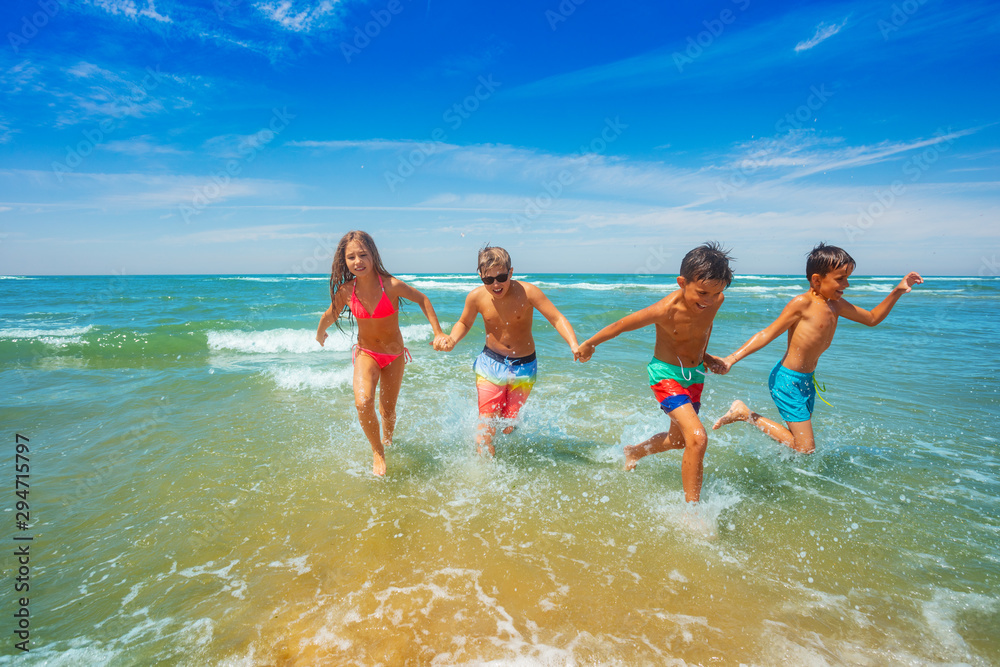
[(247, 136)]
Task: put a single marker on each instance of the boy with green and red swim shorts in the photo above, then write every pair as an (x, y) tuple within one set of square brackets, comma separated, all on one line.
[(674, 386)]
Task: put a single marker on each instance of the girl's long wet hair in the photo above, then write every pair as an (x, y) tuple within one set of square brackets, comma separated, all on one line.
[(340, 274)]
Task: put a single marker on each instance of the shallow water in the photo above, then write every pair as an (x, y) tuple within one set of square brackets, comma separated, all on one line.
[(201, 490)]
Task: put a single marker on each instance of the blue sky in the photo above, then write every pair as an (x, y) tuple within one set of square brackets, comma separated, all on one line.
[(246, 136)]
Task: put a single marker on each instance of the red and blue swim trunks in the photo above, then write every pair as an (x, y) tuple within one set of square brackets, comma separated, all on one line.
[(674, 386)]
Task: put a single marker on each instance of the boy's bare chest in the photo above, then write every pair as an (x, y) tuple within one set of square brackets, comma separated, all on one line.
[(505, 314), (821, 321)]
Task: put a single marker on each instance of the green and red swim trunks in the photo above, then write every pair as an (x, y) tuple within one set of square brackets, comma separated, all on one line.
[(674, 386)]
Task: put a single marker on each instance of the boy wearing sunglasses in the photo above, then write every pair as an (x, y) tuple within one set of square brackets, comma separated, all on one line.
[(506, 368)]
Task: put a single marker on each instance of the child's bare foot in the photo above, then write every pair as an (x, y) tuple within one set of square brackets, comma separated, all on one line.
[(738, 412), (508, 430), (378, 465), (632, 455)]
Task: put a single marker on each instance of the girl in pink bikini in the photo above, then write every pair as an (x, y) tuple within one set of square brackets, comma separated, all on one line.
[(356, 279)]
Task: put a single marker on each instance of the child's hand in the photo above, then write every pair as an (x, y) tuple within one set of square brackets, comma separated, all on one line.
[(584, 352), (912, 278), (321, 337), (443, 343), (716, 365)]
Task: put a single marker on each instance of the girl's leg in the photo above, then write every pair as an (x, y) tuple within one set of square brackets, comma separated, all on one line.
[(391, 380), (366, 375)]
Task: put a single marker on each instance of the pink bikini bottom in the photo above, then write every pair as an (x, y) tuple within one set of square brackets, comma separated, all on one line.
[(382, 360)]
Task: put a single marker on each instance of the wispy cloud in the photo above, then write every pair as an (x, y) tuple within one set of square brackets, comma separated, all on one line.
[(141, 146), (370, 144), (824, 32), (129, 9), (299, 18), (256, 233)]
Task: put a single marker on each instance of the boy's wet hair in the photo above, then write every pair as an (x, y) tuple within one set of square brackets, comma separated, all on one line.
[(490, 256), (826, 258), (709, 261)]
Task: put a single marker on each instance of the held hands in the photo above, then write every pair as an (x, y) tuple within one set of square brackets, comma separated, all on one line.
[(717, 365), (443, 343), (906, 284), (584, 352)]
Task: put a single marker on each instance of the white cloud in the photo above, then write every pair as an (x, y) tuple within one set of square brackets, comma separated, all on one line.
[(374, 145), (129, 9), (823, 33), (297, 18), (142, 145)]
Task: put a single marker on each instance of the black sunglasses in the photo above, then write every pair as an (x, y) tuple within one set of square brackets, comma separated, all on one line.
[(502, 278)]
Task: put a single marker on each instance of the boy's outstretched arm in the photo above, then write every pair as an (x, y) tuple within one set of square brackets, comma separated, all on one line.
[(881, 311), (789, 316), (465, 322), (631, 322), (541, 303)]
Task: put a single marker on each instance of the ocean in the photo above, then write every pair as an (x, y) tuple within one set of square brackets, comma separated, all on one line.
[(196, 488)]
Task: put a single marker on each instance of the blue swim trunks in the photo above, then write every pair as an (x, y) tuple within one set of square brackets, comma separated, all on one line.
[(793, 393)]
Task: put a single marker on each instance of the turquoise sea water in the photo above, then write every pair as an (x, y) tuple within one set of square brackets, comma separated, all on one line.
[(201, 490)]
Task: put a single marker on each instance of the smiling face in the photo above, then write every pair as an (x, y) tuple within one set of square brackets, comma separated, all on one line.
[(498, 289), (831, 286), (357, 258), (701, 295)]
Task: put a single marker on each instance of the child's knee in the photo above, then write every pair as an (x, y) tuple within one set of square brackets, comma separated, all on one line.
[(696, 441), (364, 402)]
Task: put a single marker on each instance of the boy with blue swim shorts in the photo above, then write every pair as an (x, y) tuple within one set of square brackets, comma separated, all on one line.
[(507, 366), (683, 321), (810, 320)]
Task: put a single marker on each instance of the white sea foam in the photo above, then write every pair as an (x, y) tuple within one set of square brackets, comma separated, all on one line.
[(274, 341), (46, 335), (309, 378), (607, 287), (299, 341), (466, 286), (942, 611)]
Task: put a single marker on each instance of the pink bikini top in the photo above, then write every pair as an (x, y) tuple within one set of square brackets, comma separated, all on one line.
[(382, 309)]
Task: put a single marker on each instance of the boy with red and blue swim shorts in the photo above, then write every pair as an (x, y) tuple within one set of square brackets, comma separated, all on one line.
[(683, 321), (507, 367)]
